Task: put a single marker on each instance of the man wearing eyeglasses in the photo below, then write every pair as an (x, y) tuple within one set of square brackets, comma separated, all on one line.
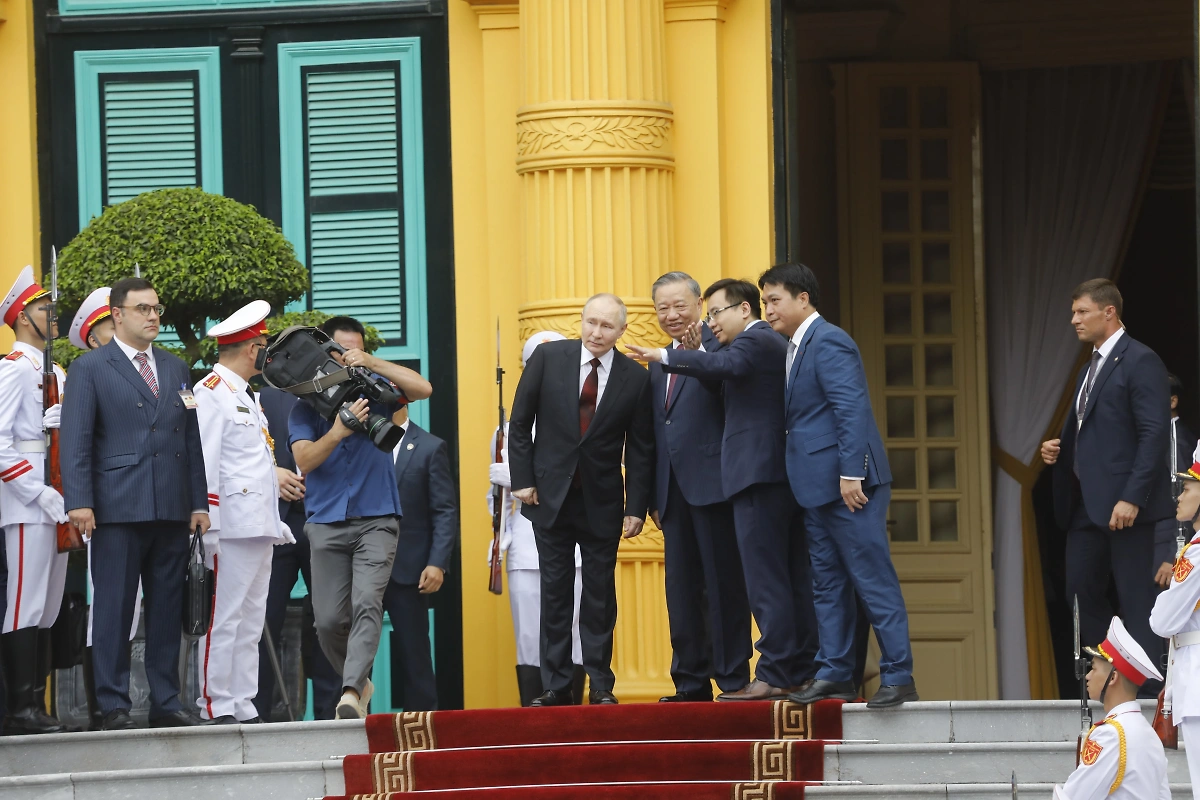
[(133, 480), (767, 521)]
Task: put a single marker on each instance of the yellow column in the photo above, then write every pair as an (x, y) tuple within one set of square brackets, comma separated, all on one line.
[(596, 160)]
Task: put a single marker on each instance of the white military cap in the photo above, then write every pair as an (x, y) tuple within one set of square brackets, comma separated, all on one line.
[(1125, 654), (94, 309), (22, 293), (245, 323), (541, 337)]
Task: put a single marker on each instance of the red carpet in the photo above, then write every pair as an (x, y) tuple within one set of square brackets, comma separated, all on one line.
[(738, 751)]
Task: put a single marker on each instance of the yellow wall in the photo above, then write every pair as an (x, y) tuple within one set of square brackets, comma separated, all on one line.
[(715, 56), (19, 224)]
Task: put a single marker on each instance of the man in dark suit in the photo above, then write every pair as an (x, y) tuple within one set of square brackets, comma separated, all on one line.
[(590, 404), (706, 592), (133, 473), (1170, 535), (768, 523), (839, 474), (288, 561), (428, 534), (1110, 482)]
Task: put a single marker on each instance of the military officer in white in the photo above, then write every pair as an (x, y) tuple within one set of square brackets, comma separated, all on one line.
[(524, 573), (29, 510), (1121, 757), (1175, 616), (243, 492)]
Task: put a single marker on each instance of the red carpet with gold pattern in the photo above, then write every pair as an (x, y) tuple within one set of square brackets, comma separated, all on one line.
[(730, 751)]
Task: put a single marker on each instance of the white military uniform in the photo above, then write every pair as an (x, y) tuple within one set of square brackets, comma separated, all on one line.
[(243, 508), (1122, 757), (36, 570)]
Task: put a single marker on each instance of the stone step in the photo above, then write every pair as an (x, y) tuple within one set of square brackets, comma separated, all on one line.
[(278, 781), (225, 745), (954, 791)]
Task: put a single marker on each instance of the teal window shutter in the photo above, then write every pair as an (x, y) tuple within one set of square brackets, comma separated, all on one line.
[(150, 136)]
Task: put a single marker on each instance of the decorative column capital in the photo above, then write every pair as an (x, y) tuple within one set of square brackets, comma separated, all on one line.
[(564, 314), (599, 133), (496, 14), (694, 10)]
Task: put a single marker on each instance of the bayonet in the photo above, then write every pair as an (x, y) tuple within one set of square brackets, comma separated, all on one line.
[(499, 496), (1082, 662), (1014, 785)]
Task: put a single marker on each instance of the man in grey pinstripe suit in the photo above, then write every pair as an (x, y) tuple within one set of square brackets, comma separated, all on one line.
[(133, 478)]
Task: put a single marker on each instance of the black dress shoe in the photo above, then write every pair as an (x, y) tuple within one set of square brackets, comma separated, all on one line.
[(601, 697), (695, 696), (251, 721), (824, 690), (181, 719), (225, 719), (553, 698), (889, 696), (118, 720)]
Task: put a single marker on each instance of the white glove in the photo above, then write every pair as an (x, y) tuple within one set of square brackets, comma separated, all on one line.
[(212, 546), (498, 474), (51, 502), (52, 416), (288, 538)]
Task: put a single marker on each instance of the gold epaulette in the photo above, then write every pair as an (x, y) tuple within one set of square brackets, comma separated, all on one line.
[(14, 355), (212, 381)]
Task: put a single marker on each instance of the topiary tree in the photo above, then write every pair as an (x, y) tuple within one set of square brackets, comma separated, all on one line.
[(205, 254)]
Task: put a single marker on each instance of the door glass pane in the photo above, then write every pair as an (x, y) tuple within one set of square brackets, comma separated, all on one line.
[(897, 314), (943, 520), (894, 206), (893, 159), (902, 521), (938, 319), (904, 468), (939, 365), (902, 419), (942, 473), (893, 107), (898, 365), (935, 211), (935, 106), (939, 417), (896, 266), (935, 159), (935, 262)]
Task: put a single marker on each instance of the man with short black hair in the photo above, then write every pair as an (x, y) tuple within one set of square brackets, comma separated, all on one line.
[(1169, 535), (353, 509)]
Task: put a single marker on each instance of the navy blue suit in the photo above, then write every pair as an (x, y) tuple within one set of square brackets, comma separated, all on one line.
[(831, 433), (769, 524), (1120, 453), (706, 591), (428, 534), (136, 461)]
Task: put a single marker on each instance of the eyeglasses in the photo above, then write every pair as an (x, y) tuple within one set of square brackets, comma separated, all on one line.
[(144, 309), (712, 315)]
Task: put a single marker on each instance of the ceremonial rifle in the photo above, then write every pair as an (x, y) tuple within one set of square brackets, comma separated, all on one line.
[(498, 494), (1082, 663), (66, 535)]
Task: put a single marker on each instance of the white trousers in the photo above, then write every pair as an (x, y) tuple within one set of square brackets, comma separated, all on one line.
[(229, 653), (137, 604), (1190, 728), (37, 573), (525, 596)]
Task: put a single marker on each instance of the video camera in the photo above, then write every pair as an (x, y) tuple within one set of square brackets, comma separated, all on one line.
[(299, 361)]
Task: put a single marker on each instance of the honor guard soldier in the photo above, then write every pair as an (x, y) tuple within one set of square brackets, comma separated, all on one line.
[(29, 510), (93, 325), (524, 571), (243, 492), (1175, 616), (1121, 757)]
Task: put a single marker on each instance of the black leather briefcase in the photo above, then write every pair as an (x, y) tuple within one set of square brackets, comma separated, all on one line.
[(198, 586)]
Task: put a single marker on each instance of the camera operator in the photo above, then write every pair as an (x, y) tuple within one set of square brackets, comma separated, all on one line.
[(353, 509)]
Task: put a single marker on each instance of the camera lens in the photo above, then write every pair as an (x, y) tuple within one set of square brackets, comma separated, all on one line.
[(383, 432)]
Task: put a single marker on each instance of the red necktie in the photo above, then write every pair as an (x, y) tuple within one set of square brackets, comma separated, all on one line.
[(587, 398), (671, 384)]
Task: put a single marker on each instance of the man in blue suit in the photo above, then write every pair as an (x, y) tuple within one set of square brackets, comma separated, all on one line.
[(1110, 484), (133, 479), (838, 471), (706, 592), (767, 521)]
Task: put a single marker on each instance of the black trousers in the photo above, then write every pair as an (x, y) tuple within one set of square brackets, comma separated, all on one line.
[(288, 561), (1093, 555), (409, 611), (597, 607), (706, 596), (156, 552)]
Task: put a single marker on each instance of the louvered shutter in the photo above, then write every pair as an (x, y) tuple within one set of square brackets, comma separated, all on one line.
[(354, 215), (149, 134)]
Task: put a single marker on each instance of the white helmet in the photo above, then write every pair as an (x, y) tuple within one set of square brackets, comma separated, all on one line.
[(541, 337)]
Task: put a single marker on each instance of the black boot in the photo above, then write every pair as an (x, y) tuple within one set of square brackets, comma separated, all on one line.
[(45, 664), (529, 683), (577, 679), (21, 666), (95, 718)]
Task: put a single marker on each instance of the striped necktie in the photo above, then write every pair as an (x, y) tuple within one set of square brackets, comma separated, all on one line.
[(147, 373)]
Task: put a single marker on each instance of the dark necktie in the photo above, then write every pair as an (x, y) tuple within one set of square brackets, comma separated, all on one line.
[(147, 373), (671, 384), (587, 397), (1085, 395)]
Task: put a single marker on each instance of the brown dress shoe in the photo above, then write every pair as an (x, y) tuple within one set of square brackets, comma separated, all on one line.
[(756, 690)]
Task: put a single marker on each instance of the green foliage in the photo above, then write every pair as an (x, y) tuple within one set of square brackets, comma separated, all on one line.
[(309, 319), (206, 256), (65, 352)]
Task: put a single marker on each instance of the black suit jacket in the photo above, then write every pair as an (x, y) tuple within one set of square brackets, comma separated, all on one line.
[(277, 405), (1123, 443), (1185, 446), (548, 394), (429, 529)]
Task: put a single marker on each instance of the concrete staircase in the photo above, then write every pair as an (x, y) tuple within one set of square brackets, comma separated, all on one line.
[(923, 751)]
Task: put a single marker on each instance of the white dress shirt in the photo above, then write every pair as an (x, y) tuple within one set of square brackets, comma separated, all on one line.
[(399, 444), (798, 337), (131, 353), (602, 372), (1104, 349)]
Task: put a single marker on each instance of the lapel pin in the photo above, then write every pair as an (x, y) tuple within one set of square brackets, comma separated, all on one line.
[(410, 445)]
